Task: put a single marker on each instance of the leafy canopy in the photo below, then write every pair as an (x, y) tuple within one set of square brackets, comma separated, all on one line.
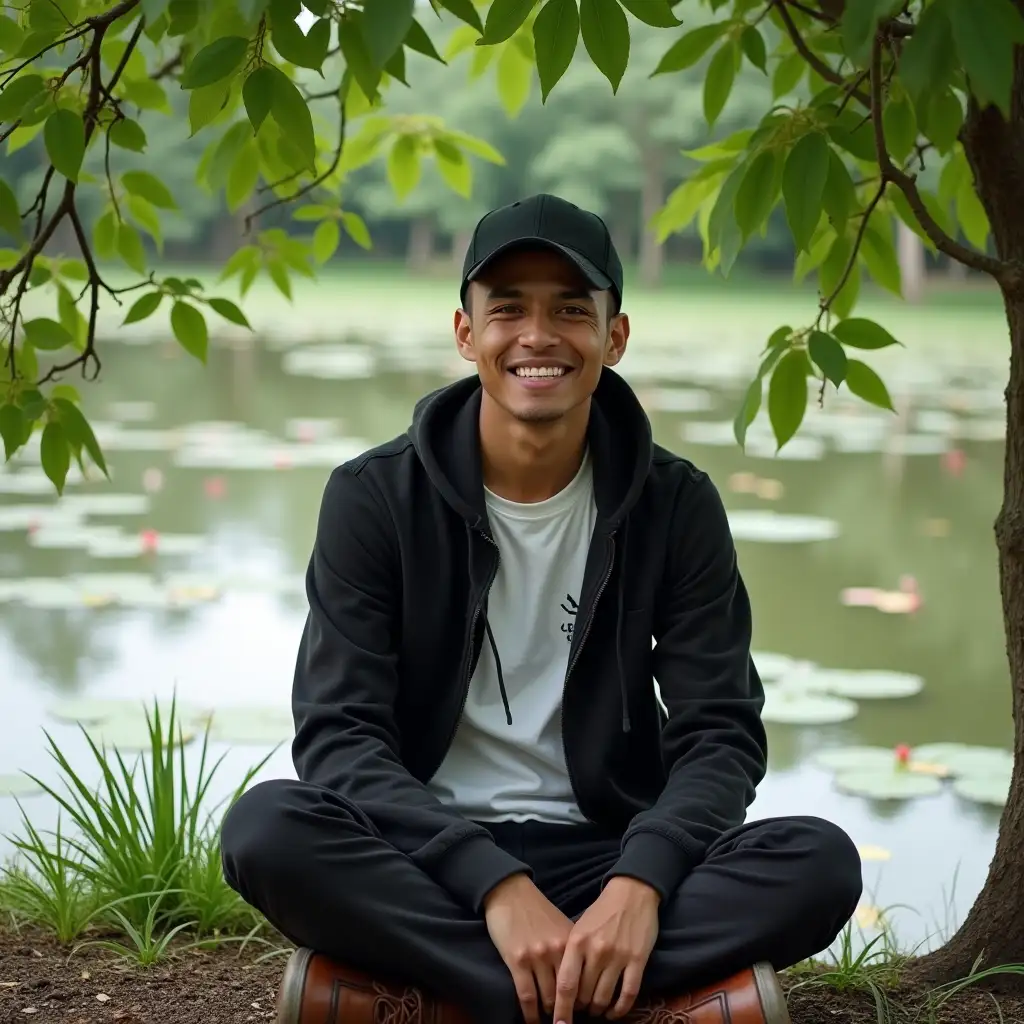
[(866, 95)]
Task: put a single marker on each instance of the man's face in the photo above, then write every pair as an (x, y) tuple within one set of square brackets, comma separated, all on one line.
[(539, 334)]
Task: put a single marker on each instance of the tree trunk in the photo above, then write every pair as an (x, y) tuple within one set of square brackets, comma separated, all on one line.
[(994, 927), (652, 196), (421, 243), (911, 259)]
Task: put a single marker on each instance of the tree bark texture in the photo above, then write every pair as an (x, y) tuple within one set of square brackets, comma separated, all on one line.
[(994, 927)]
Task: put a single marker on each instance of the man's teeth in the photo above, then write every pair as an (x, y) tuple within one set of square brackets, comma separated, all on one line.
[(540, 371)]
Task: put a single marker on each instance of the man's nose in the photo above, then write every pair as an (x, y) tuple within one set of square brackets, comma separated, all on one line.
[(538, 331)]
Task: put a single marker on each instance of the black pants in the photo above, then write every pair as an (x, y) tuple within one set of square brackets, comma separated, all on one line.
[(778, 890)]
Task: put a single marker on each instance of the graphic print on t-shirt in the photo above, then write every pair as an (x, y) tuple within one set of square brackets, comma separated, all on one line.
[(570, 607), (495, 771)]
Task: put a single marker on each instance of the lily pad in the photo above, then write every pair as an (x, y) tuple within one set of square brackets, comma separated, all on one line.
[(856, 685), (19, 785), (93, 710), (251, 725), (775, 666), (887, 783), (784, 707), (990, 789), (334, 362), (775, 527), (963, 759), (846, 759), (131, 733)]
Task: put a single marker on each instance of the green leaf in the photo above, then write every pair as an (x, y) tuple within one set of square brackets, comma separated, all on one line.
[(10, 215), (243, 176), (143, 307), (866, 384), (205, 105), (357, 57), (78, 432), (303, 49), (151, 188), (860, 333), (13, 429), (787, 395), (418, 40), (928, 57), (385, 25), (719, 81), (454, 167), (748, 410), (900, 123), (55, 454), (325, 240), (18, 94), (687, 50), (858, 25), (128, 134), (944, 117), (214, 62), (757, 192), (504, 18), (11, 36), (514, 74), (290, 111), (556, 32), (788, 74), (64, 137), (804, 178), (356, 229), (754, 47), (605, 33), (879, 255), (258, 95), (189, 327), (47, 335), (839, 196), (985, 41), (971, 214), (465, 11), (227, 309), (657, 13), (130, 247), (403, 168), (828, 355)]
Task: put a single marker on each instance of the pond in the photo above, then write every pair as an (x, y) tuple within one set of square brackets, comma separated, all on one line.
[(867, 546)]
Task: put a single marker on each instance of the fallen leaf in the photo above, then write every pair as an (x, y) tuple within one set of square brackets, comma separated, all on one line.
[(85, 975), (102, 996), (867, 916), (29, 1009), (870, 852)]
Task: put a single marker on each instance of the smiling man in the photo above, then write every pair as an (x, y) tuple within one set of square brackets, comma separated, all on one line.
[(496, 818)]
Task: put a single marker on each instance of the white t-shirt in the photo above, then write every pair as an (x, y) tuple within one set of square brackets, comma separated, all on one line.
[(500, 772)]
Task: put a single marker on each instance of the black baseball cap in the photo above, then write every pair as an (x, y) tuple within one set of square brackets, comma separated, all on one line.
[(550, 221)]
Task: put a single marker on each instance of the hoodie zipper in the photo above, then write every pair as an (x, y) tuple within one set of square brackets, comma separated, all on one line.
[(468, 672), (575, 657)]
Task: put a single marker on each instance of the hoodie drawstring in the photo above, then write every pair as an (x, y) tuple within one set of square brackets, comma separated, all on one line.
[(620, 616), (490, 635)]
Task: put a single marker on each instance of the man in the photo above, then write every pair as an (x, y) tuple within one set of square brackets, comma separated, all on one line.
[(495, 818)]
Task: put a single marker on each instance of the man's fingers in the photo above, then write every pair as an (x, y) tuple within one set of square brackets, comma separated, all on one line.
[(545, 974), (526, 990), (631, 979), (567, 985), (604, 990)]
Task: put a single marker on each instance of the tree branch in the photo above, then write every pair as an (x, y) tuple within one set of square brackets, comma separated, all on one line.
[(907, 184), (319, 179), (828, 73)]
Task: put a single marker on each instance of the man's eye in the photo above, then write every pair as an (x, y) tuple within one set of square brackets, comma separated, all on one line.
[(575, 311)]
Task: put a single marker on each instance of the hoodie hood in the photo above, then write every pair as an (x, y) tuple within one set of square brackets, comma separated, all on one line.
[(445, 433)]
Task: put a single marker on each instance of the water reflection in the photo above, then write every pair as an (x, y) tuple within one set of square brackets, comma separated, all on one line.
[(258, 525)]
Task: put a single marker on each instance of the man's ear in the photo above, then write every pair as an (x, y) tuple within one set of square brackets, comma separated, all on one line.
[(464, 335), (618, 336)]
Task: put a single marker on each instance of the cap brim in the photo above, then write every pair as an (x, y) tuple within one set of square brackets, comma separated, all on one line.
[(596, 278)]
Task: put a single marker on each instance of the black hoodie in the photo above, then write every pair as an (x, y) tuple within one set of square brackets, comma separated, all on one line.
[(397, 587)]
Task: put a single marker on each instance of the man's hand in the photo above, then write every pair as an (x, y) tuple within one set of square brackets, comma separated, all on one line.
[(612, 939), (530, 934)]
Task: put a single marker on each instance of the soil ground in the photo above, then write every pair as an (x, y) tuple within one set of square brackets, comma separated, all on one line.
[(41, 984)]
